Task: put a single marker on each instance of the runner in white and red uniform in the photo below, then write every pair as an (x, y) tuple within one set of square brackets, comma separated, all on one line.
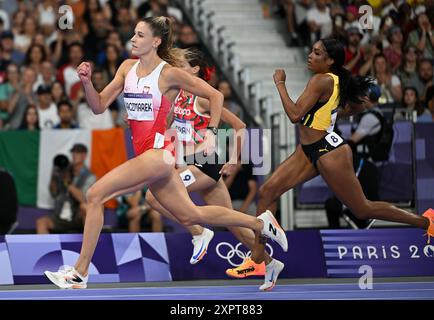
[(147, 109)]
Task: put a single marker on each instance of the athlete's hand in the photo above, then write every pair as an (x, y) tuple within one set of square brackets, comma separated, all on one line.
[(228, 169), (85, 72), (208, 144), (279, 76)]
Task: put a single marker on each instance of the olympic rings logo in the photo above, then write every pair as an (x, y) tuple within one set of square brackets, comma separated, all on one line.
[(236, 251)]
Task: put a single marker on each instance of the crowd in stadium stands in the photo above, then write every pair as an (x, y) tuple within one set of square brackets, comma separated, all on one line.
[(398, 51)]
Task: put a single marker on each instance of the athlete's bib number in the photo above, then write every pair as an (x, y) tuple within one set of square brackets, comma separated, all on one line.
[(139, 106), (184, 129), (187, 177), (334, 139)]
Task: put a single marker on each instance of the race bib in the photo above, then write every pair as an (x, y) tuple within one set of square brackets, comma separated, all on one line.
[(139, 106), (334, 139), (187, 177), (333, 122), (184, 129), (158, 141)]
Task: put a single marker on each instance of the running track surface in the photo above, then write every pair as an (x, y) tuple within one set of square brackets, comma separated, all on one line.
[(311, 291)]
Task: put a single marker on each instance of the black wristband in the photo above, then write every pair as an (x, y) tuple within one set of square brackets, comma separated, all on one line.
[(213, 129)]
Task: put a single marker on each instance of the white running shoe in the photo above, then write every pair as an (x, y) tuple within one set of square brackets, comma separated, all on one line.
[(67, 278), (272, 271), (273, 230), (200, 245)]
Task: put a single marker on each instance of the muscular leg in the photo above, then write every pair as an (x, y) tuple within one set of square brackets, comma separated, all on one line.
[(145, 168), (219, 195), (202, 182), (293, 171), (337, 170)]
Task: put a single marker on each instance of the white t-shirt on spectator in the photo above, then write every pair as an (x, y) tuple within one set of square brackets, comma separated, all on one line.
[(49, 117), (22, 42), (322, 19), (300, 13), (70, 77), (88, 120)]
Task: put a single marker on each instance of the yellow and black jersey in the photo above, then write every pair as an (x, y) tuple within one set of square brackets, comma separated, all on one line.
[(322, 116)]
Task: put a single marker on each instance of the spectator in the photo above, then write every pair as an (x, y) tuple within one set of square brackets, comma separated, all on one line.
[(422, 38), (35, 56), (18, 22), (57, 92), (393, 53), (424, 77), (47, 110), (46, 76), (386, 23), (40, 40), (88, 120), (112, 61), (67, 74), (162, 8), (405, 19), (30, 120), (187, 37), (301, 9), (9, 51), (229, 103), (47, 21), (319, 21), (65, 110), (133, 208), (243, 187), (68, 187), (94, 42), (24, 40), (429, 103), (389, 83), (407, 72), (411, 105), (115, 40), (354, 55), (92, 7), (351, 17), (126, 25), (339, 32), (16, 94)]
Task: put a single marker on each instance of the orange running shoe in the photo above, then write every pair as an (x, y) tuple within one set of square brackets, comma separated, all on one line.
[(429, 214), (246, 269)]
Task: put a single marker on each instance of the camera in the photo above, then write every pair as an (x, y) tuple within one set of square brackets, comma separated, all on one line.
[(61, 162)]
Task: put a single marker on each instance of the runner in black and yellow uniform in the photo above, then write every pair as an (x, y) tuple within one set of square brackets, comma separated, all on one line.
[(322, 151)]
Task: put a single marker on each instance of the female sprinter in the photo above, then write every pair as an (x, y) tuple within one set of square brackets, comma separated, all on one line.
[(150, 85), (321, 151)]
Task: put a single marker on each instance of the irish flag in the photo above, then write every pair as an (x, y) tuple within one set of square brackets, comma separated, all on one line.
[(28, 156)]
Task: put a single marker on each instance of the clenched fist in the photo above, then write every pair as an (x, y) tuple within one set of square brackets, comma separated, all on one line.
[(279, 76), (84, 72)]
